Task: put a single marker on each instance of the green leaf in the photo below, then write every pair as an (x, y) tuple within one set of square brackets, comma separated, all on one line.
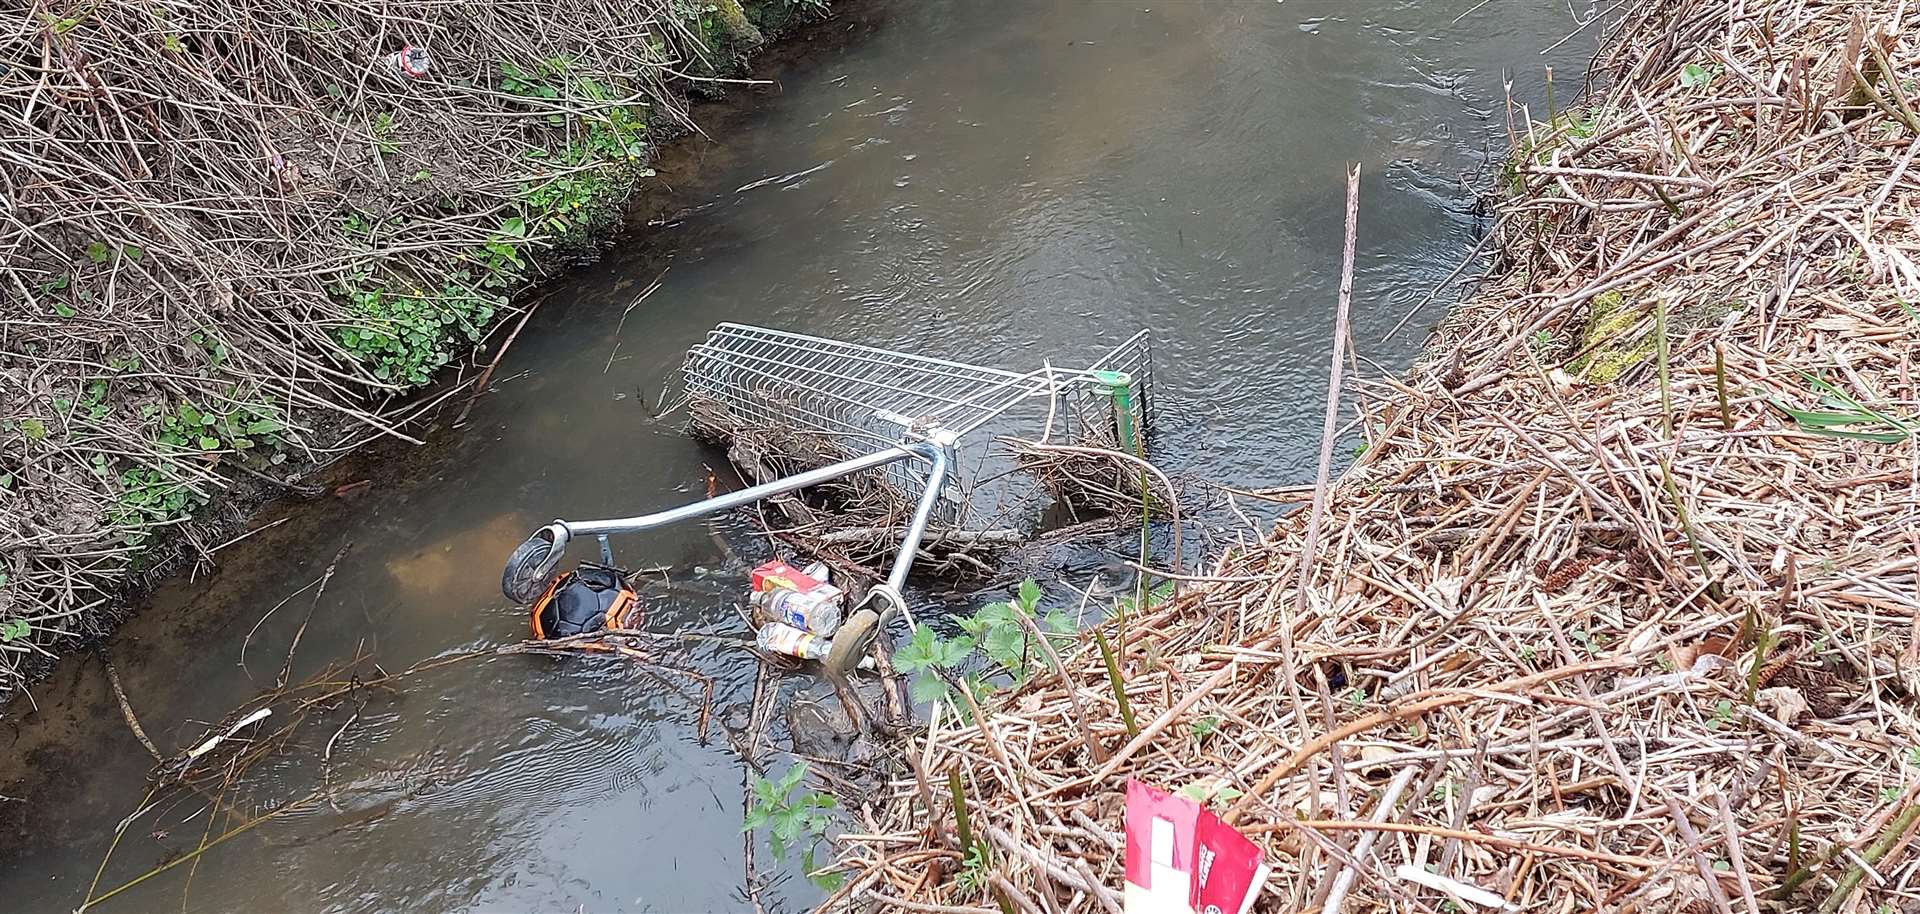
[(132, 252), (63, 309), (34, 429), (918, 653), (1007, 646), (1060, 622), (756, 817), (997, 614), (208, 443), (1205, 726), (792, 779), (1029, 595), (926, 688), (952, 653), (14, 630), (264, 427), (97, 252), (786, 825), (1694, 76)]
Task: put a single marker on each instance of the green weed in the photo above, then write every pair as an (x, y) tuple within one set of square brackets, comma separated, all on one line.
[(1840, 415), (150, 496), (793, 821), (997, 631), (1697, 76), (1210, 791), (407, 337)]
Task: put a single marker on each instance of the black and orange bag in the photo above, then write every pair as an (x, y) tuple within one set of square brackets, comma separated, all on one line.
[(587, 599)]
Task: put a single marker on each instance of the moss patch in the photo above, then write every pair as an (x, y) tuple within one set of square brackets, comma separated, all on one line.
[(1612, 341)]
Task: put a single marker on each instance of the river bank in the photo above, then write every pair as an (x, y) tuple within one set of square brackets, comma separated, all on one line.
[(217, 293), (1112, 168), (1615, 610)]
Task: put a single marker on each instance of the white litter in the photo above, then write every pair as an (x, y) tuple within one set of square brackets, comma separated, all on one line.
[(1461, 890), (213, 741)]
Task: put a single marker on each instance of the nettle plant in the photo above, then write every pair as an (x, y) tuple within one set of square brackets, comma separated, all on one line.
[(999, 632), (793, 821)]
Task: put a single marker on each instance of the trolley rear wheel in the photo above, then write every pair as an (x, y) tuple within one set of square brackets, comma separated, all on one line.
[(853, 641), (530, 568)]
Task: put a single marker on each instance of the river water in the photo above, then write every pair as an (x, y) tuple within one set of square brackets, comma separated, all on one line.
[(1002, 182)]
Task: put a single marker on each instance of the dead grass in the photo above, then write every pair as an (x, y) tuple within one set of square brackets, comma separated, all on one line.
[(1637, 643), (210, 209)]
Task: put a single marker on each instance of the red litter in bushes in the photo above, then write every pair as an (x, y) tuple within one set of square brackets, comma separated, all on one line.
[(410, 61), (1181, 859)]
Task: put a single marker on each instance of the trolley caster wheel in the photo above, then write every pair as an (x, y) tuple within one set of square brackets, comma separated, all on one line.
[(853, 642), (530, 569)]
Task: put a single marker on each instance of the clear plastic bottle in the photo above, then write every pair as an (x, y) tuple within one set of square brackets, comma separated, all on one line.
[(816, 612), (781, 638)]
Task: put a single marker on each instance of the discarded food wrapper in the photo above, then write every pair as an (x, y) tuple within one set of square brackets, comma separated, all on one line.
[(1181, 859)]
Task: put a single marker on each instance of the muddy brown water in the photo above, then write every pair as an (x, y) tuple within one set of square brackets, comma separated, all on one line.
[(998, 182)]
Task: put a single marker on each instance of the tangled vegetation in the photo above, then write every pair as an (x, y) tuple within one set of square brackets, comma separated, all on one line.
[(1615, 610), (226, 226)]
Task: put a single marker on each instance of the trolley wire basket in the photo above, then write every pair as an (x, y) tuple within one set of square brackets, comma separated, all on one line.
[(815, 400)]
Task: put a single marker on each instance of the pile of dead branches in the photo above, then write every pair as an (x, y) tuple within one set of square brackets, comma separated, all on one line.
[(1617, 612), (222, 224)]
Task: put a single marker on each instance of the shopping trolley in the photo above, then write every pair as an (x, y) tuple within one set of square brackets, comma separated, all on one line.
[(896, 417)]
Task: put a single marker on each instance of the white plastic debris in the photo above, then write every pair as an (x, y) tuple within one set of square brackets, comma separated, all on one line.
[(1467, 892), (213, 741)]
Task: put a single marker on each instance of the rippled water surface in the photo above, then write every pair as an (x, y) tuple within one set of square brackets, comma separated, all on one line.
[(1002, 182)]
